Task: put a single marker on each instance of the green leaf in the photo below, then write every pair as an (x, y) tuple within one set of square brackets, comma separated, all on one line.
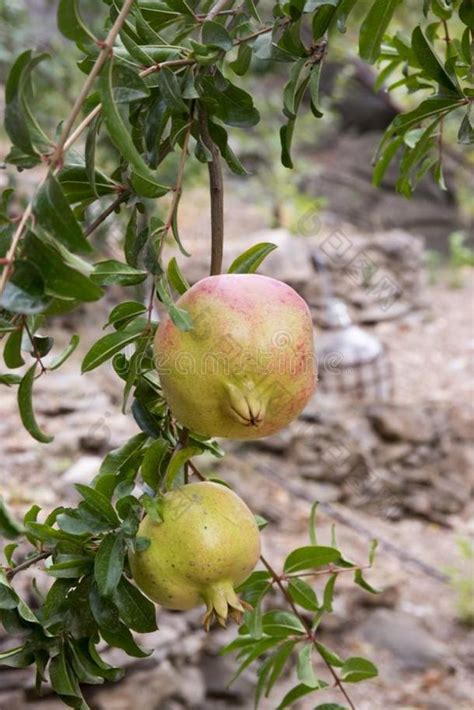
[(20, 125), (110, 344), (12, 350), (152, 464), (303, 594), (64, 274), (281, 624), (123, 459), (24, 292), (176, 277), (330, 706), (232, 105), (9, 380), (62, 677), (466, 130), (9, 526), (385, 159), (107, 273), (135, 609), (54, 214), (312, 524), (171, 91), (295, 694), (108, 564), (127, 85), (179, 316), (18, 657), (143, 178), (98, 504), (304, 667), (466, 13), (216, 35), (80, 184), (310, 557), (356, 669), (374, 27), (322, 18), (360, 580), (428, 108), (8, 597), (111, 629), (286, 138), (89, 154), (250, 260), (332, 658), (25, 405), (244, 58), (431, 63), (70, 23), (329, 593), (314, 90), (277, 663), (125, 312), (66, 354), (179, 458)]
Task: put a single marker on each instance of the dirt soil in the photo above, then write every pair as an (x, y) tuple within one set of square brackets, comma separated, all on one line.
[(423, 652)]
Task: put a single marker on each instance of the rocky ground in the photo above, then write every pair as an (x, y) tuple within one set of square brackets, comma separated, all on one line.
[(403, 476)]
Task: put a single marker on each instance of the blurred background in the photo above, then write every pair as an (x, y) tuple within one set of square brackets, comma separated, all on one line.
[(386, 443)]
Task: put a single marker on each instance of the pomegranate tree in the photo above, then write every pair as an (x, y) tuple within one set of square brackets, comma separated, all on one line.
[(166, 84)]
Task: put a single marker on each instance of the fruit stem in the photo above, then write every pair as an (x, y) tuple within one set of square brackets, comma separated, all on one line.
[(216, 188)]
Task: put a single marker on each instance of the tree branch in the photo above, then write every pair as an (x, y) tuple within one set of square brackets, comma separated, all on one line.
[(123, 197), (58, 152), (107, 48), (26, 563), (217, 196), (216, 9), (278, 581)]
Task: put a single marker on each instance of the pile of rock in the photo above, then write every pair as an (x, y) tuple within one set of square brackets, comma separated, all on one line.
[(379, 277), (390, 460)]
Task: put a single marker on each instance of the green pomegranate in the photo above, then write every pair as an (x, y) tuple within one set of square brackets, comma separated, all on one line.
[(246, 368), (207, 543)]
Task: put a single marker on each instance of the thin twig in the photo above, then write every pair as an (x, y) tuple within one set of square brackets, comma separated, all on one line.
[(218, 7), (178, 187), (183, 440), (33, 345), (217, 196), (26, 563), (263, 31), (123, 197), (10, 255), (278, 580), (196, 471), (329, 570), (107, 49)]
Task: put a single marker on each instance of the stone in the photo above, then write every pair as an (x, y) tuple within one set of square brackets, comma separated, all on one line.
[(218, 670), (82, 471), (399, 423), (149, 689), (412, 646)]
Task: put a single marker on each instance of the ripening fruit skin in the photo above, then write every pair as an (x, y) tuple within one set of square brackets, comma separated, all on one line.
[(246, 368), (207, 543)]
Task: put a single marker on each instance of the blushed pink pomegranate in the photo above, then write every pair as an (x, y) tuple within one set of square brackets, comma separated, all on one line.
[(246, 368)]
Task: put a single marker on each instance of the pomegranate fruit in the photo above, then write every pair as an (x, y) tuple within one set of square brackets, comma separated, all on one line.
[(246, 368), (207, 542)]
